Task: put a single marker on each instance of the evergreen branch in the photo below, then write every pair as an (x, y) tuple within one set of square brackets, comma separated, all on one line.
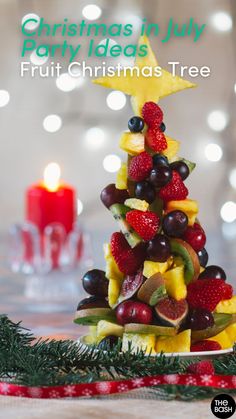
[(27, 361)]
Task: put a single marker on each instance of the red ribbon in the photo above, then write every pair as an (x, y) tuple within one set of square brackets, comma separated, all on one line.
[(226, 382)]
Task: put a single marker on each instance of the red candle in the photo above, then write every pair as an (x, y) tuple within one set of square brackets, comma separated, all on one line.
[(51, 201)]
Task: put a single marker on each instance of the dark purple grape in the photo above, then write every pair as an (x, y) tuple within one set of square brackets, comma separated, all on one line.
[(175, 223), (144, 190), (136, 124), (160, 175), (203, 257), (92, 302), (95, 283), (162, 127), (199, 318), (108, 342), (213, 271), (158, 159), (181, 168), (111, 195), (158, 249)]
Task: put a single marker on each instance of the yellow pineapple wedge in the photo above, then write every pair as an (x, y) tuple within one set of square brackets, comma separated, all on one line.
[(189, 206), (231, 332), (223, 339), (114, 288), (178, 343), (172, 148), (132, 143), (91, 338), (175, 284), (113, 274), (227, 306), (146, 342), (112, 270), (150, 268), (138, 204), (105, 328), (121, 177)]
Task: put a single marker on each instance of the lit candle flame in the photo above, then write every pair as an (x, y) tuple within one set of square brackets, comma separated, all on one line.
[(52, 174)]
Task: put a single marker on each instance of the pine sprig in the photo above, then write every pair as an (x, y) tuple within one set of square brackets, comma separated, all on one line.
[(27, 361)]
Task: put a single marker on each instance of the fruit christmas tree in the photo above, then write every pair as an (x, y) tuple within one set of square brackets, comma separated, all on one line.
[(157, 292)]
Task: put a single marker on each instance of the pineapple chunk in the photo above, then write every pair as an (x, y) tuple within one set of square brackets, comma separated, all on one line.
[(172, 148), (223, 339), (150, 268), (114, 275), (178, 343), (227, 306), (112, 270), (175, 284), (189, 206), (138, 204), (231, 332), (91, 338), (105, 328), (202, 269), (139, 341), (114, 288), (121, 178), (132, 143)]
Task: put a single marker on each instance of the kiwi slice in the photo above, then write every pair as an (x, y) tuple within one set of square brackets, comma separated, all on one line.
[(92, 316), (119, 212), (152, 290), (222, 320), (150, 329), (191, 263)]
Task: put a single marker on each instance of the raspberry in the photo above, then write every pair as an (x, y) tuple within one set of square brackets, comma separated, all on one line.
[(208, 293), (175, 190), (205, 345), (145, 223), (155, 139), (128, 260), (152, 114), (202, 368), (140, 166)]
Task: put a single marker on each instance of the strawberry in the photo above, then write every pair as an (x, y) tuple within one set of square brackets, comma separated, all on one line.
[(145, 223), (152, 114), (205, 345), (128, 260), (175, 190), (140, 166), (208, 293), (155, 139), (202, 368)]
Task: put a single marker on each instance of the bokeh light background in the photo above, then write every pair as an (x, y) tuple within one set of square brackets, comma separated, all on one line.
[(78, 125)]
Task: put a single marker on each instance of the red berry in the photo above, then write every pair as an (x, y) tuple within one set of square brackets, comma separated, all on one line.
[(128, 260), (205, 345), (175, 190), (208, 293), (152, 114), (195, 236), (202, 368), (145, 223), (133, 312), (140, 166), (155, 139)]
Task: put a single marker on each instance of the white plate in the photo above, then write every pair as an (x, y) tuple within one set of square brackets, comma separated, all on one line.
[(204, 354)]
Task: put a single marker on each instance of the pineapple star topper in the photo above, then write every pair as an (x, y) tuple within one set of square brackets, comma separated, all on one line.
[(144, 89)]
